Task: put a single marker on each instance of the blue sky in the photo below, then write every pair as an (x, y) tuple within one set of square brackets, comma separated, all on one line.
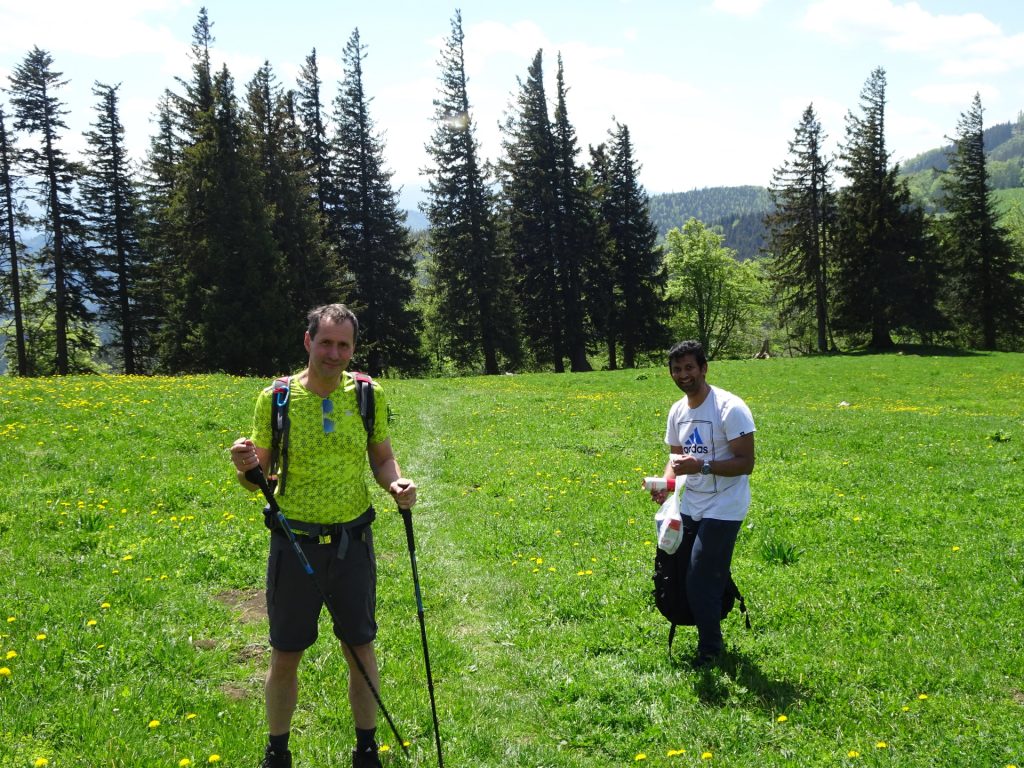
[(710, 89)]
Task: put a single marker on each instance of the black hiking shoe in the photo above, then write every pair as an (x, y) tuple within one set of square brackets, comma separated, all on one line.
[(365, 758), (274, 759), (705, 660)]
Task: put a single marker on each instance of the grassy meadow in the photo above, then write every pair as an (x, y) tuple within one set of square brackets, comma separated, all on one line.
[(882, 563)]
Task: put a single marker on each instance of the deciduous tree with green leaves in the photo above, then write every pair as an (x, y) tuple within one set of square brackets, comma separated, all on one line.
[(714, 298)]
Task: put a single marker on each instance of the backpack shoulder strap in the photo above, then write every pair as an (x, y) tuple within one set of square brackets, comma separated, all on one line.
[(364, 398), (279, 424)]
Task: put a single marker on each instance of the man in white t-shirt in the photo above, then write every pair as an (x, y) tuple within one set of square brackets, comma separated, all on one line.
[(710, 435)]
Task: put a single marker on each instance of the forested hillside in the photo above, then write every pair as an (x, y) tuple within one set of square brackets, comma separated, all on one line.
[(738, 211), (1004, 159)]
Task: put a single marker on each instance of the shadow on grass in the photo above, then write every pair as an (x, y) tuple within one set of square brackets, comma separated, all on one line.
[(713, 689)]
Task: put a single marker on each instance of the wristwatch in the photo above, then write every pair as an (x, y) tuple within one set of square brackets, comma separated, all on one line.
[(706, 467)]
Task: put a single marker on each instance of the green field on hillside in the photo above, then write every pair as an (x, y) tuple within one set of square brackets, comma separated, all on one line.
[(131, 631)]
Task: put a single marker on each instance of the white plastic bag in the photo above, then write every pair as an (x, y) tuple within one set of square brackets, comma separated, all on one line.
[(669, 522)]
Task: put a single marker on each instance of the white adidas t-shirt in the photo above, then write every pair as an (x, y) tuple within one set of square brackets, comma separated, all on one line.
[(704, 432)]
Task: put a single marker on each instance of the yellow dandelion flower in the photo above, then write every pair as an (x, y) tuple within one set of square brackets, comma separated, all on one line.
[(956, 549), (91, 623), (10, 619), (384, 748), (104, 606), (881, 745), (154, 723), (674, 752), (905, 708), (853, 753), (213, 759), (40, 762), (406, 743), (922, 696), (5, 672), (126, 558), (41, 636), (190, 716), (706, 755), (12, 655), (782, 718), (184, 763), (639, 756)]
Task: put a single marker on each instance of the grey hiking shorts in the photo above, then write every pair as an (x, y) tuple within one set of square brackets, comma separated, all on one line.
[(350, 583)]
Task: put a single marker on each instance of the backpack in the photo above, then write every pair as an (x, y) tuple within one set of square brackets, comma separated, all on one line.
[(670, 587), (280, 424)]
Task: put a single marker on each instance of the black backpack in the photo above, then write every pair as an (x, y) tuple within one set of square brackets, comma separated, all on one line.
[(279, 423), (670, 587)]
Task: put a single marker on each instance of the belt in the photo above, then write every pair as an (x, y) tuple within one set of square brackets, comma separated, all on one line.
[(334, 533)]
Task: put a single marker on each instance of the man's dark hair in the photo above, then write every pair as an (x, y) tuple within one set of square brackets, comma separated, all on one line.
[(689, 347), (335, 313)]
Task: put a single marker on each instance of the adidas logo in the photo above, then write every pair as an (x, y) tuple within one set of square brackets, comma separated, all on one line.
[(694, 443)]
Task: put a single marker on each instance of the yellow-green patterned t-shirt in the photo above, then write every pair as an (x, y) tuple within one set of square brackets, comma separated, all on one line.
[(326, 481)]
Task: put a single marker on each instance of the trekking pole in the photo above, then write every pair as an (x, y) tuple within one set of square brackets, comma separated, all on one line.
[(407, 519), (255, 475)]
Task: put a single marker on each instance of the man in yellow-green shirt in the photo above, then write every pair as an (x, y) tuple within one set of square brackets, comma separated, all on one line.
[(324, 493)]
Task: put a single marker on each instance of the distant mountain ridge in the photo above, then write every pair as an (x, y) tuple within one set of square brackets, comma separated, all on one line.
[(738, 211)]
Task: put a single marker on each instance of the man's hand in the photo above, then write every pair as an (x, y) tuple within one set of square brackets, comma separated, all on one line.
[(403, 491), (686, 465), (243, 454)]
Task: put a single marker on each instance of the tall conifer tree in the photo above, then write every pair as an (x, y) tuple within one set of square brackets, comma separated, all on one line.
[(471, 302), (68, 267), (110, 199), (531, 206), (225, 308), (800, 229), (985, 287), (637, 262), (375, 244), (882, 257), (311, 113), (309, 278), (578, 237), (10, 244)]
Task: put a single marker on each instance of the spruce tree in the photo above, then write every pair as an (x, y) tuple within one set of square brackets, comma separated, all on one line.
[(529, 179), (310, 111), (375, 246), (882, 258), (225, 309), (309, 279), (110, 200), (639, 273), (578, 237), (470, 278), (800, 229), (67, 266), (985, 287), (158, 275), (602, 293), (10, 245)]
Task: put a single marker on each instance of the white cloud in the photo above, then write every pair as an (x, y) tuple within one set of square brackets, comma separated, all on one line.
[(901, 27), (955, 94), (738, 7), (109, 29)]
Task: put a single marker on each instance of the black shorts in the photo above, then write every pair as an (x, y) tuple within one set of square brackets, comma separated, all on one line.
[(294, 603)]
